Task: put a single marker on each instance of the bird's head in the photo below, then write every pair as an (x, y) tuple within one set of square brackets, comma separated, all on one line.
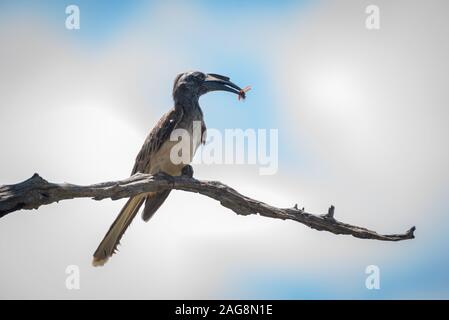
[(192, 85)]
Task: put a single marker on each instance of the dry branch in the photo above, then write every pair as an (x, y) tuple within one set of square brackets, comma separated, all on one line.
[(34, 192)]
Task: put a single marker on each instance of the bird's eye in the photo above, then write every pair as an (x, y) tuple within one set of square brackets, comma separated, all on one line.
[(198, 76), (201, 76)]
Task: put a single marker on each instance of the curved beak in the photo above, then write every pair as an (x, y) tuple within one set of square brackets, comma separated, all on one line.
[(216, 82)]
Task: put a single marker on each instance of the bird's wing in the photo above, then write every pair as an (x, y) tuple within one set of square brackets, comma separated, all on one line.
[(160, 133)]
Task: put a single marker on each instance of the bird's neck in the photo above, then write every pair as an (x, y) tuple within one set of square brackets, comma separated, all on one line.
[(188, 104)]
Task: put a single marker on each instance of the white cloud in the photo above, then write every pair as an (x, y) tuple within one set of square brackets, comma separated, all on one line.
[(371, 105), (371, 108)]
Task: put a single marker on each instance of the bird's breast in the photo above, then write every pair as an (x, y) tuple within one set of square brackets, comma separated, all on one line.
[(179, 150), (162, 160)]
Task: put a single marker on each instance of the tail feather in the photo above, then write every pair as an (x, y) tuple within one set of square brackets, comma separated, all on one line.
[(153, 201), (109, 244)]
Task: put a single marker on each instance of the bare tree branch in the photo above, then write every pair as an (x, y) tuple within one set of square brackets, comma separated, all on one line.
[(34, 192)]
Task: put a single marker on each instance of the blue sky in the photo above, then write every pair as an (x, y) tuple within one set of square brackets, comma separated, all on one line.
[(102, 20), (420, 270)]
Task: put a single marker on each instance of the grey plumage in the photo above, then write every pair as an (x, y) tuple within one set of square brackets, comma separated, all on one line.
[(154, 155)]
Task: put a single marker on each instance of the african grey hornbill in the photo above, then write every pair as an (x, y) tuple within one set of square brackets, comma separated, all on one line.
[(154, 156)]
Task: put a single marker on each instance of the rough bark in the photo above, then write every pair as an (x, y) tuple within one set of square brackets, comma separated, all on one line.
[(36, 191)]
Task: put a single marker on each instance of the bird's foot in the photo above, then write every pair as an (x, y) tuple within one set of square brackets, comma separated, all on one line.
[(187, 171)]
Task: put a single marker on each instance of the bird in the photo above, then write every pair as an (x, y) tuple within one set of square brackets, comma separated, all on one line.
[(154, 156)]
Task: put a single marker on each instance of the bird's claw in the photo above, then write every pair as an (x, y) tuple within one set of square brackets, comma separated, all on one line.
[(187, 171)]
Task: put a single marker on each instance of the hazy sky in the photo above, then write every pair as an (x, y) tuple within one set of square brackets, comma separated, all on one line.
[(362, 118)]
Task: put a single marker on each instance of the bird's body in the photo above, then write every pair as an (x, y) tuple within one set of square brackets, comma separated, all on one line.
[(154, 156), (156, 153)]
